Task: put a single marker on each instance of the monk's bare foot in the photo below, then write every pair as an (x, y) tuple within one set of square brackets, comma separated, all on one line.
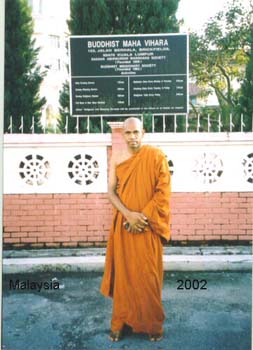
[(155, 337), (115, 336)]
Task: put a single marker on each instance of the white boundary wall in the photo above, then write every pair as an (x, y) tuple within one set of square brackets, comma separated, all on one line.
[(208, 162), (77, 163)]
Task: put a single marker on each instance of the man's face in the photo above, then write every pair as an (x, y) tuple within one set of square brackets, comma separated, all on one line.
[(133, 134)]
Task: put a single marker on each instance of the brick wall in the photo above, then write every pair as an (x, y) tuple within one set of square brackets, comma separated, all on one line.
[(79, 220), (53, 220), (212, 216)]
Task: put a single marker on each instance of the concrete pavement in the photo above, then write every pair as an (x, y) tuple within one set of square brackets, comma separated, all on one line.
[(77, 317)]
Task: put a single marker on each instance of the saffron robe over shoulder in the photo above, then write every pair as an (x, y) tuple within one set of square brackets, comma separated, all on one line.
[(133, 274)]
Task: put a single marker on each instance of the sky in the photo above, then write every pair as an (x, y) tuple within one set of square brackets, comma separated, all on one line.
[(197, 12)]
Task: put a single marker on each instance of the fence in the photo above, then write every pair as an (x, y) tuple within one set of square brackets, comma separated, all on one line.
[(55, 187), (152, 123)]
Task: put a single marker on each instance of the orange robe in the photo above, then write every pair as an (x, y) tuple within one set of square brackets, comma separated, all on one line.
[(133, 274)]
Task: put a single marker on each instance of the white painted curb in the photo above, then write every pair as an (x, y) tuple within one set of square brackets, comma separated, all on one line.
[(96, 263)]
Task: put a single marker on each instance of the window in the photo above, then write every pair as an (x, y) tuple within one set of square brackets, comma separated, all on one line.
[(54, 41), (36, 5), (55, 64)]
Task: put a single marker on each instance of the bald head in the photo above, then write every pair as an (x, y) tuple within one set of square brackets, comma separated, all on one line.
[(133, 133), (133, 122)]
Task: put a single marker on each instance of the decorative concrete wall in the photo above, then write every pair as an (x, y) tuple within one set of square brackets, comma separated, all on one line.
[(55, 187), (78, 163)]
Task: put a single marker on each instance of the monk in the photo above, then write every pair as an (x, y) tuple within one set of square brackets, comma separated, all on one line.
[(139, 189)]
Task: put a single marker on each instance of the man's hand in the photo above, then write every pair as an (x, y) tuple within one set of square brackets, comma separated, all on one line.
[(137, 221)]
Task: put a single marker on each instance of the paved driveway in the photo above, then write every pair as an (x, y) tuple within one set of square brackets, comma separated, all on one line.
[(77, 316)]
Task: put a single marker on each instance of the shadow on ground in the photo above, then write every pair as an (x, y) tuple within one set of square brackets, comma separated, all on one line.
[(77, 316)]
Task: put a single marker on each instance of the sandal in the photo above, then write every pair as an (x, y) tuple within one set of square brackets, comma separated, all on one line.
[(155, 337), (115, 336)]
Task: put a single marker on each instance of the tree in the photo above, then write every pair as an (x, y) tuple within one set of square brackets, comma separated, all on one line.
[(64, 109), (108, 17), (91, 17), (246, 93), (22, 74), (218, 57)]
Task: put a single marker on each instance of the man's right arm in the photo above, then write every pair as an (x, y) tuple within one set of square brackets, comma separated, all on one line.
[(113, 197), (136, 220)]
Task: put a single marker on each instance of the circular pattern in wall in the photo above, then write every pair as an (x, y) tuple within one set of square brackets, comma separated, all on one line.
[(208, 168), (83, 169), (248, 167), (34, 170), (171, 165)]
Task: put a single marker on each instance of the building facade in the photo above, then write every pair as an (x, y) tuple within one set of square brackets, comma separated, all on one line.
[(51, 35)]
